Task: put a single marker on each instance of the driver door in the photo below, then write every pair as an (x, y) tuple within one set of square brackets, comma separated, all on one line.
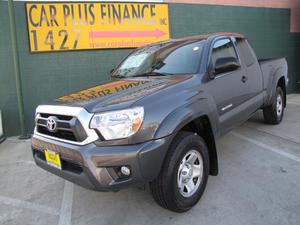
[(228, 89)]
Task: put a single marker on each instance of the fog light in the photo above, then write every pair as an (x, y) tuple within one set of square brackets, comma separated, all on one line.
[(125, 170)]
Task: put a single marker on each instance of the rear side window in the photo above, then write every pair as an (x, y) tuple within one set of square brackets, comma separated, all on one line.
[(246, 51), (221, 49)]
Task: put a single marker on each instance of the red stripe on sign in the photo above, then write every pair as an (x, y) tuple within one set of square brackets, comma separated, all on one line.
[(141, 33), (294, 5)]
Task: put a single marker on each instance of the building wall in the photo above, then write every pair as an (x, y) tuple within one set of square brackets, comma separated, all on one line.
[(49, 75), (8, 99)]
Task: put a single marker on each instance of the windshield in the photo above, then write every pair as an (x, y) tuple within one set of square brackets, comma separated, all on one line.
[(162, 59)]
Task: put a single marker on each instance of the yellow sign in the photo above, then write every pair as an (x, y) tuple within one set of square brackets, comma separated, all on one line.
[(53, 159), (95, 25)]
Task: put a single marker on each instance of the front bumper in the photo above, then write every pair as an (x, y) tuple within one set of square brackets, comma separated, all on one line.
[(97, 168)]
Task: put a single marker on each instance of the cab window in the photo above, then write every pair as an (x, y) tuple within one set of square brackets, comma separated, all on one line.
[(222, 49), (224, 58), (246, 51)]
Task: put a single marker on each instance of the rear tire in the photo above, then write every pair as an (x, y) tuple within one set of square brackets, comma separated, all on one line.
[(184, 174), (273, 114)]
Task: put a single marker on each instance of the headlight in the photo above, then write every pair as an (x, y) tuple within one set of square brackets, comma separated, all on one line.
[(118, 124)]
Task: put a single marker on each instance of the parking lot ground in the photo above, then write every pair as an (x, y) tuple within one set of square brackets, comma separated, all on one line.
[(259, 183)]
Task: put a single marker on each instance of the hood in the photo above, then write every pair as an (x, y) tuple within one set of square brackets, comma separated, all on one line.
[(118, 94)]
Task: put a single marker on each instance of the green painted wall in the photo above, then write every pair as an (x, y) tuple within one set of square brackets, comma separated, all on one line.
[(8, 99), (48, 75)]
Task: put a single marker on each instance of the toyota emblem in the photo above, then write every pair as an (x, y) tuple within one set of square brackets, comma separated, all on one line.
[(51, 124)]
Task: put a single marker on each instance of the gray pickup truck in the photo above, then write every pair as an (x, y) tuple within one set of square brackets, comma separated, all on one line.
[(157, 120)]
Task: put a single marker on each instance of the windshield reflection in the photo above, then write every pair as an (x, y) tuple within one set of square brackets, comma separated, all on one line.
[(177, 57)]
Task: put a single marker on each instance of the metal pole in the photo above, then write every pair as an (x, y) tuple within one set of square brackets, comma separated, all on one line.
[(13, 33), (1, 129)]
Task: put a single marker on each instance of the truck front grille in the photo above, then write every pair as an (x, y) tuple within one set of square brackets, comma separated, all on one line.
[(66, 128)]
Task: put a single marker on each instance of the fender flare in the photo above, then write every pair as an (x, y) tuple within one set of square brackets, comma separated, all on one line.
[(182, 116), (274, 78)]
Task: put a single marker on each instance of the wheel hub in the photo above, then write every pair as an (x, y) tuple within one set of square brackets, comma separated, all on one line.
[(190, 173), (279, 105), (186, 173)]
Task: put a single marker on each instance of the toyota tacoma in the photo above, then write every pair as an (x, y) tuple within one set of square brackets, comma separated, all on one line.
[(158, 118)]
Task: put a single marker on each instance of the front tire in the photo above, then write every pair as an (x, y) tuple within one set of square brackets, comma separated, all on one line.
[(184, 174), (273, 114)]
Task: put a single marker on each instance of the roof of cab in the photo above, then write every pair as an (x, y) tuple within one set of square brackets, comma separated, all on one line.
[(206, 36), (199, 37)]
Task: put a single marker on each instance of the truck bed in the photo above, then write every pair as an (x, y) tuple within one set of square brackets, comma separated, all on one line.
[(271, 68)]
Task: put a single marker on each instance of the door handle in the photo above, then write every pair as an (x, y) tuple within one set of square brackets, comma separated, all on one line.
[(244, 79)]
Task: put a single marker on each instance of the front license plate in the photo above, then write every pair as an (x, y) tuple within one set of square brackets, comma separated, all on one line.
[(53, 159)]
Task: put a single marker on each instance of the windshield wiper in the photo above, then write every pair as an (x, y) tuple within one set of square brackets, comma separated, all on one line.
[(151, 74)]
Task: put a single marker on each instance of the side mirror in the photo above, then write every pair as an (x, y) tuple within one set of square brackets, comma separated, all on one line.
[(226, 64)]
